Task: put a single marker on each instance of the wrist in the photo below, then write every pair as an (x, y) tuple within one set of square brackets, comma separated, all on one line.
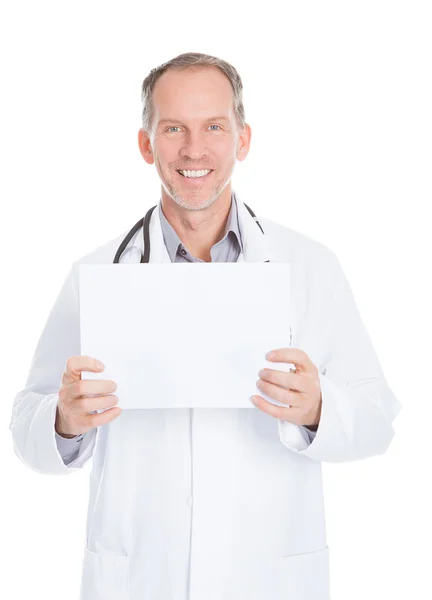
[(58, 430), (64, 435)]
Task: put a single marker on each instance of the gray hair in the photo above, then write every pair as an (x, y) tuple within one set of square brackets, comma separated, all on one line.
[(194, 61)]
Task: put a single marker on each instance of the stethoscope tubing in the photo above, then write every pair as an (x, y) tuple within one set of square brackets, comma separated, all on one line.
[(145, 224)]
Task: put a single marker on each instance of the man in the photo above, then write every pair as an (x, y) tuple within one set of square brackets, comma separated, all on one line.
[(214, 504)]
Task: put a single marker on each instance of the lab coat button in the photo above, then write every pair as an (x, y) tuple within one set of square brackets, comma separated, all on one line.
[(189, 501)]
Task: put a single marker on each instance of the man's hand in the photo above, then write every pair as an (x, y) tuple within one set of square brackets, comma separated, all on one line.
[(78, 398), (300, 389)]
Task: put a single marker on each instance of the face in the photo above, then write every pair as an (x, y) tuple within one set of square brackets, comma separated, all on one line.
[(194, 128)]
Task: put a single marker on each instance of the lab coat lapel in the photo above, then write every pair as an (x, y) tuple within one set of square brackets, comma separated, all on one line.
[(158, 250), (255, 244)]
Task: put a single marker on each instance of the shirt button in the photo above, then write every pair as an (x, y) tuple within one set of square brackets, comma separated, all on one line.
[(183, 251), (189, 501)]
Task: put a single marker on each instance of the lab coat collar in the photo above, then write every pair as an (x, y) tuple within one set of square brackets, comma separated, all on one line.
[(255, 244)]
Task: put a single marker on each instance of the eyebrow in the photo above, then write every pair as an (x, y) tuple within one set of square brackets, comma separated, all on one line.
[(219, 118)]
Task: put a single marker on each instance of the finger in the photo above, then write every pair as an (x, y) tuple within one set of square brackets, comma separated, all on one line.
[(278, 393), (289, 413), (89, 404), (76, 364), (86, 387), (291, 381), (97, 419), (293, 355)]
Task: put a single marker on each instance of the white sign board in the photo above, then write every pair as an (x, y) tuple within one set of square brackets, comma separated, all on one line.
[(175, 335)]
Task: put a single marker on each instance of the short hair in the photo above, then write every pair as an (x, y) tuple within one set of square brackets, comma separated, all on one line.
[(193, 61)]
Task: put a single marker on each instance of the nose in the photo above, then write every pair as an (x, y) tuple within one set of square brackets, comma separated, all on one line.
[(194, 146)]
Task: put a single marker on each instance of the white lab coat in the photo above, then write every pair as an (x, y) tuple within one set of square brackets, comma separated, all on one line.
[(223, 503)]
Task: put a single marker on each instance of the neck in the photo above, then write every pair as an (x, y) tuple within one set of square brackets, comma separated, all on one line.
[(199, 230)]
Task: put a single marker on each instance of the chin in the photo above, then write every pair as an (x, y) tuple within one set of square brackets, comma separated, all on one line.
[(194, 202)]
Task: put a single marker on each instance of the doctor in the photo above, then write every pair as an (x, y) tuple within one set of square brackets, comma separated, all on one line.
[(208, 504)]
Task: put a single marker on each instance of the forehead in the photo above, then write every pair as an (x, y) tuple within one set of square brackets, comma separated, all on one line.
[(193, 95)]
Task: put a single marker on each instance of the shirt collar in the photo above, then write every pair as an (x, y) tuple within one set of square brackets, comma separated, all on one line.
[(172, 240)]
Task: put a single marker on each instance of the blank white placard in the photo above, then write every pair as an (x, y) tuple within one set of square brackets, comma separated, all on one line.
[(176, 335)]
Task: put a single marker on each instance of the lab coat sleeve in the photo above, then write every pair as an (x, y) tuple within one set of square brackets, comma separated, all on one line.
[(358, 407), (34, 408)]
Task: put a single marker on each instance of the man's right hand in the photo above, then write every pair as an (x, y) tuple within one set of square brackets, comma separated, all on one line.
[(78, 398)]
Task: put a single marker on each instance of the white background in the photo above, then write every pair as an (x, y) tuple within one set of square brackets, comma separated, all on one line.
[(338, 95)]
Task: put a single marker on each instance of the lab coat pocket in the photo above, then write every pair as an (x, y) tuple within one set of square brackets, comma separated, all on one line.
[(105, 576), (306, 576)]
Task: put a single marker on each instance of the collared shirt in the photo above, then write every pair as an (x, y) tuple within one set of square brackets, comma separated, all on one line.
[(226, 250)]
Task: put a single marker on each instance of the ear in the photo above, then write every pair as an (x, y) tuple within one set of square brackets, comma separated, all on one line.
[(145, 146), (244, 142)]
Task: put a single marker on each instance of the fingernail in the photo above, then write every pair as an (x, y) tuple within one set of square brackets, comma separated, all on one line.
[(270, 354)]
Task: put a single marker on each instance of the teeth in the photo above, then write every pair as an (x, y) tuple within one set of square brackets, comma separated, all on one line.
[(195, 173)]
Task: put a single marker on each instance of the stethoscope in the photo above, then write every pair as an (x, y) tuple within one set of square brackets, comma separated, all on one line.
[(145, 224)]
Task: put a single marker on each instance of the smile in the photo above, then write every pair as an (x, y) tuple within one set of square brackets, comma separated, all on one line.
[(195, 174)]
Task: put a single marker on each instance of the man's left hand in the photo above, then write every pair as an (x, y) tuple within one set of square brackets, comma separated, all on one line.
[(300, 389)]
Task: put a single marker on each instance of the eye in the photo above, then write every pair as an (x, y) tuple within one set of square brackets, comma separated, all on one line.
[(215, 126), (173, 127)]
